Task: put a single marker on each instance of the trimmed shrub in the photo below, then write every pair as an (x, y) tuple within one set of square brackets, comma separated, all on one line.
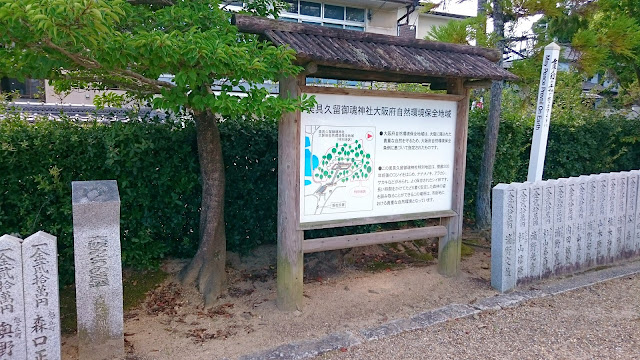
[(576, 146), (156, 166), (250, 149)]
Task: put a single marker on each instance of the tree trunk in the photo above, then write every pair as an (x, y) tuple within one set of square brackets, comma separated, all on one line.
[(207, 268), (482, 10), (485, 178)]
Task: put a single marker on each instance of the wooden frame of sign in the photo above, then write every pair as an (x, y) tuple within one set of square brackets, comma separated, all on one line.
[(291, 243)]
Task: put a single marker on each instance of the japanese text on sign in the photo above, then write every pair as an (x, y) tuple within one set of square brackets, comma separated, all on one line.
[(365, 156)]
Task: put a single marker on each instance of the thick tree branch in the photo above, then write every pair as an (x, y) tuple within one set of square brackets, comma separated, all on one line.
[(76, 58), (151, 2), (145, 80), (94, 65)]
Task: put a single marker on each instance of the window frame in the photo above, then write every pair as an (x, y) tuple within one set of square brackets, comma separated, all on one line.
[(344, 24)]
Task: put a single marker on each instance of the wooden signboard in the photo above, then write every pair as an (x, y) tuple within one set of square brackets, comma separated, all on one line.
[(363, 157)]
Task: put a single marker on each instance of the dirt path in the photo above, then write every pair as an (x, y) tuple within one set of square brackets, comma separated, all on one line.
[(601, 321), (173, 324)]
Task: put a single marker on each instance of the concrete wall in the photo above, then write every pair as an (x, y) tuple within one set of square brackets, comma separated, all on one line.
[(427, 22), (383, 22), (80, 97)]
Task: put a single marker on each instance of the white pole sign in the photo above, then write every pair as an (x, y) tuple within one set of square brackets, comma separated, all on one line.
[(543, 111), (370, 156)]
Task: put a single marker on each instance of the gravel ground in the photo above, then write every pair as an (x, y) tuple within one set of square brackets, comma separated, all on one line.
[(601, 321)]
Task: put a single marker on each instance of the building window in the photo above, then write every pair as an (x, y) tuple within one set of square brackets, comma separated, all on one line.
[(334, 12), (31, 89), (355, 15), (336, 16), (309, 8)]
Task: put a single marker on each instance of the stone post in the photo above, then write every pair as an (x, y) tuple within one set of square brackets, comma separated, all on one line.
[(12, 301), (96, 233), (42, 299), (559, 217), (581, 222), (503, 238), (546, 252), (601, 215), (522, 232), (591, 229), (570, 226), (535, 232)]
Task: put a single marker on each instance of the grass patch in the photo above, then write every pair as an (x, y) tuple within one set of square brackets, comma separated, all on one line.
[(377, 266), (426, 257), (466, 250), (135, 286)]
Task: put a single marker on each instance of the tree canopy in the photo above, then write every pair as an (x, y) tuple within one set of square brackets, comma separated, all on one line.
[(606, 35), (128, 45)]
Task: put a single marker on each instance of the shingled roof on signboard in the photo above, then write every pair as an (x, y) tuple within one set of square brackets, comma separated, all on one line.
[(345, 54)]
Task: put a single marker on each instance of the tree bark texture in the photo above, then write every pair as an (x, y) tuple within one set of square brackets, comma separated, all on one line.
[(207, 268), (482, 10), (485, 177)]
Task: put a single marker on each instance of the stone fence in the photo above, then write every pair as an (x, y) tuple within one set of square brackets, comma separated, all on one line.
[(561, 226)]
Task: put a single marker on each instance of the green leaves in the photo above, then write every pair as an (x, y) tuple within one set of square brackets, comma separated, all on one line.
[(107, 44), (581, 140), (159, 208), (606, 34)]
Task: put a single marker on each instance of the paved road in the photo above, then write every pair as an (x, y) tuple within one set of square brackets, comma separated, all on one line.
[(601, 321)]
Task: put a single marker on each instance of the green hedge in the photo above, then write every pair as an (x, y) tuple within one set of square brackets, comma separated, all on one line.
[(575, 147), (156, 167), (250, 151)]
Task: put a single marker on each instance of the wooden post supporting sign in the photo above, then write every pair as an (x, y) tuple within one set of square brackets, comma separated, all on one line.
[(290, 255), (449, 247)]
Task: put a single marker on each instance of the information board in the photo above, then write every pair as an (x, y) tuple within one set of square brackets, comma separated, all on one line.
[(370, 156)]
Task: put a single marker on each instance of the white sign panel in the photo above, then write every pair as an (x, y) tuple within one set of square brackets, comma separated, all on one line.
[(543, 112), (369, 156)]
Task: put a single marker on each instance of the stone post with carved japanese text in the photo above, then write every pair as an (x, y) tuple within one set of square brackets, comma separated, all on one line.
[(96, 232), (41, 296), (12, 329)]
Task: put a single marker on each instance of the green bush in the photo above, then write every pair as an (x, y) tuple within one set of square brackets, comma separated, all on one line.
[(155, 165), (576, 146), (250, 149)]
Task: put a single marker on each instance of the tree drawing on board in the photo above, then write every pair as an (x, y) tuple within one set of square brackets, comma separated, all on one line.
[(341, 163)]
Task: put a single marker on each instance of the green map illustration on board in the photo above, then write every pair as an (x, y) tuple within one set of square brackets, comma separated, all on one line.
[(339, 169)]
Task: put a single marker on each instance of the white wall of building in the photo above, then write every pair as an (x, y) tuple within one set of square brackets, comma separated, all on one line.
[(383, 22), (426, 22), (79, 97)]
